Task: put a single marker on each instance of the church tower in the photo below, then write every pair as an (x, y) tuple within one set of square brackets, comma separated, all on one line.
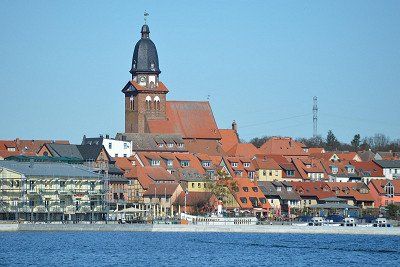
[(145, 95)]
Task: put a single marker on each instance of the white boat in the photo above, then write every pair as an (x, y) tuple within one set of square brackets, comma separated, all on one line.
[(218, 220), (349, 222), (381, 222), (319, 221)]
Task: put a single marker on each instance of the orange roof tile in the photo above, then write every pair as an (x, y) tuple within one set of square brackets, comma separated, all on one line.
[(229, 138)]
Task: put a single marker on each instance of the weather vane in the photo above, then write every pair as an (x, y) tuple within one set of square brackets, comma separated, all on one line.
[(145, 16)]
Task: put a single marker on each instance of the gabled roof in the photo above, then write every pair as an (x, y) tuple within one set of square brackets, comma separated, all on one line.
[(243, 150), (229, 138), (366, 155), (269, 189), (64, 150), (388, 163), (285, 146), (161, 189), (266, 164), (190, 119), (151, 142), (133, 86), (379, 185)]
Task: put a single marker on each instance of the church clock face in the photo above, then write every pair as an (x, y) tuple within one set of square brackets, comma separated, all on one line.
[(143, 79)]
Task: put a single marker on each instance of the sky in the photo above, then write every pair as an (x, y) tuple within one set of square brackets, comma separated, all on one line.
[(64, 63)]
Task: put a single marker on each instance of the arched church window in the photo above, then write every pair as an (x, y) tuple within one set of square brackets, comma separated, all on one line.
[(148, 102), (157, 103), (131, 103)]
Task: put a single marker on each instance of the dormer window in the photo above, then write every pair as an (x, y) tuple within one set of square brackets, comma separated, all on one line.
[(180, 145), (169, 163), (160, 145), (289, 188), (206, 163), (246, 164), (170, 145), (185, 163), (289, 173), (278, 188), (234, 164), (245, 189), (155, 162)]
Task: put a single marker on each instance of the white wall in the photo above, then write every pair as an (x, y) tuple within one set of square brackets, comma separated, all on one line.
[(118, 148)]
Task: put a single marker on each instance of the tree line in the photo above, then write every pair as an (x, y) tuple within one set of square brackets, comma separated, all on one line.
[(377, 142)]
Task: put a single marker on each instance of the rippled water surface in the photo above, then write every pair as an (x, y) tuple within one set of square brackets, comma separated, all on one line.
[(195, 249)]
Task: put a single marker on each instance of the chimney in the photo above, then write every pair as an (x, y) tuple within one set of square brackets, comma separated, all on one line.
[(31, 163), (234, 126)]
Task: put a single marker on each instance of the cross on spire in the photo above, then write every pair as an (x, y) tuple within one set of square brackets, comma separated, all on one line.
[(145, 16)]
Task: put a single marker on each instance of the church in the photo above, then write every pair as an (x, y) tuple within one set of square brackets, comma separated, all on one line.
[(154, 123)]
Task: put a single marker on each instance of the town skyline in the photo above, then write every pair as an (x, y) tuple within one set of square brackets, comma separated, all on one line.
[(74, 67)]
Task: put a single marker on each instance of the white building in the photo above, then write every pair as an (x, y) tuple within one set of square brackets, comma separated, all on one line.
[(115, 148), (391, 168)]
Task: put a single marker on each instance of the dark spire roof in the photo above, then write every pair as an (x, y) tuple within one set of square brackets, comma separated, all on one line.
[(145, 57)]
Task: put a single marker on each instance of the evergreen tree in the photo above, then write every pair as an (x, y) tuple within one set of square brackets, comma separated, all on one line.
[(355, 143), (331, 141)]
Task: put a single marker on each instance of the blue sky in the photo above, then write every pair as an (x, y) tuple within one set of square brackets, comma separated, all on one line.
[(63, 64)]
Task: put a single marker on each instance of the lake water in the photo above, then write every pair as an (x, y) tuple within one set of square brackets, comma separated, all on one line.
[(195, 249)]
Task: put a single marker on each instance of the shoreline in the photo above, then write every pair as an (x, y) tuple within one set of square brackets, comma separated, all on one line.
[(257, 229)]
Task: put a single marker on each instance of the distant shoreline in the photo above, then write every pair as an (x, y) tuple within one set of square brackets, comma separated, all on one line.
[(258, 229)]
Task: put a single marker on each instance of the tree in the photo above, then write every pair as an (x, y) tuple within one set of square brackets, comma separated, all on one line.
[(331, 141), (222, 186), (355, 143), (259, 141), (392, 211), (317, 141)]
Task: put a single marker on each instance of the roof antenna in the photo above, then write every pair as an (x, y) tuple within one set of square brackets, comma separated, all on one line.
[(145, 17), (208, 97)]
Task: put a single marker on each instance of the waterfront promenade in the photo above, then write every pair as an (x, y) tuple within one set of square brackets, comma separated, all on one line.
[(260, 229)]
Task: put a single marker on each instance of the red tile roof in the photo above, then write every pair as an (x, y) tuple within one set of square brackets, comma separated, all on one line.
[(229, 139), (189, 118), (243, 150), (253, 191), (285, 146), (161, 189)]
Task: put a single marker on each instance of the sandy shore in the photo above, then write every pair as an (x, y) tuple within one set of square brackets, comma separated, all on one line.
[(263, 229)]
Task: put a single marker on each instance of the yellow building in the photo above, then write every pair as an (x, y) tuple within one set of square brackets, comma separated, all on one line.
[(268, 170)]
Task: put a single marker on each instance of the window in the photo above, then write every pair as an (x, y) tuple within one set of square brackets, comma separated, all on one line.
[(148, 102), (243, 200), (289, 188), (255, 189), (116, 155), (206, 164), (278, 188), (245, 189), (290, 173), (246, 164), (115, 196), (234, 164), (126, 146), (92, 186), (169, 162), (199, 185), (155, 162), (185, 163), (160, 145), (31, 185), (110, 145), (263, 200), (125, 155), (270, 173), (192, 185), (157, 103), (251, 175), (264, 172), (180, 145), (170, 145), (131, 103)]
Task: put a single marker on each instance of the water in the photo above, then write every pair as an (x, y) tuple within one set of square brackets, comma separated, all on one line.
[(195, 249)]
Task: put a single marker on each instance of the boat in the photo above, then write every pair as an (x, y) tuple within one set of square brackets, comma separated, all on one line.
[(349, 222), (381, 222), (217, 220), (320, 221)]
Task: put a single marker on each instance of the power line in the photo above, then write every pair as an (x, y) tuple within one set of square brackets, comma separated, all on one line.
[(277, 120)]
